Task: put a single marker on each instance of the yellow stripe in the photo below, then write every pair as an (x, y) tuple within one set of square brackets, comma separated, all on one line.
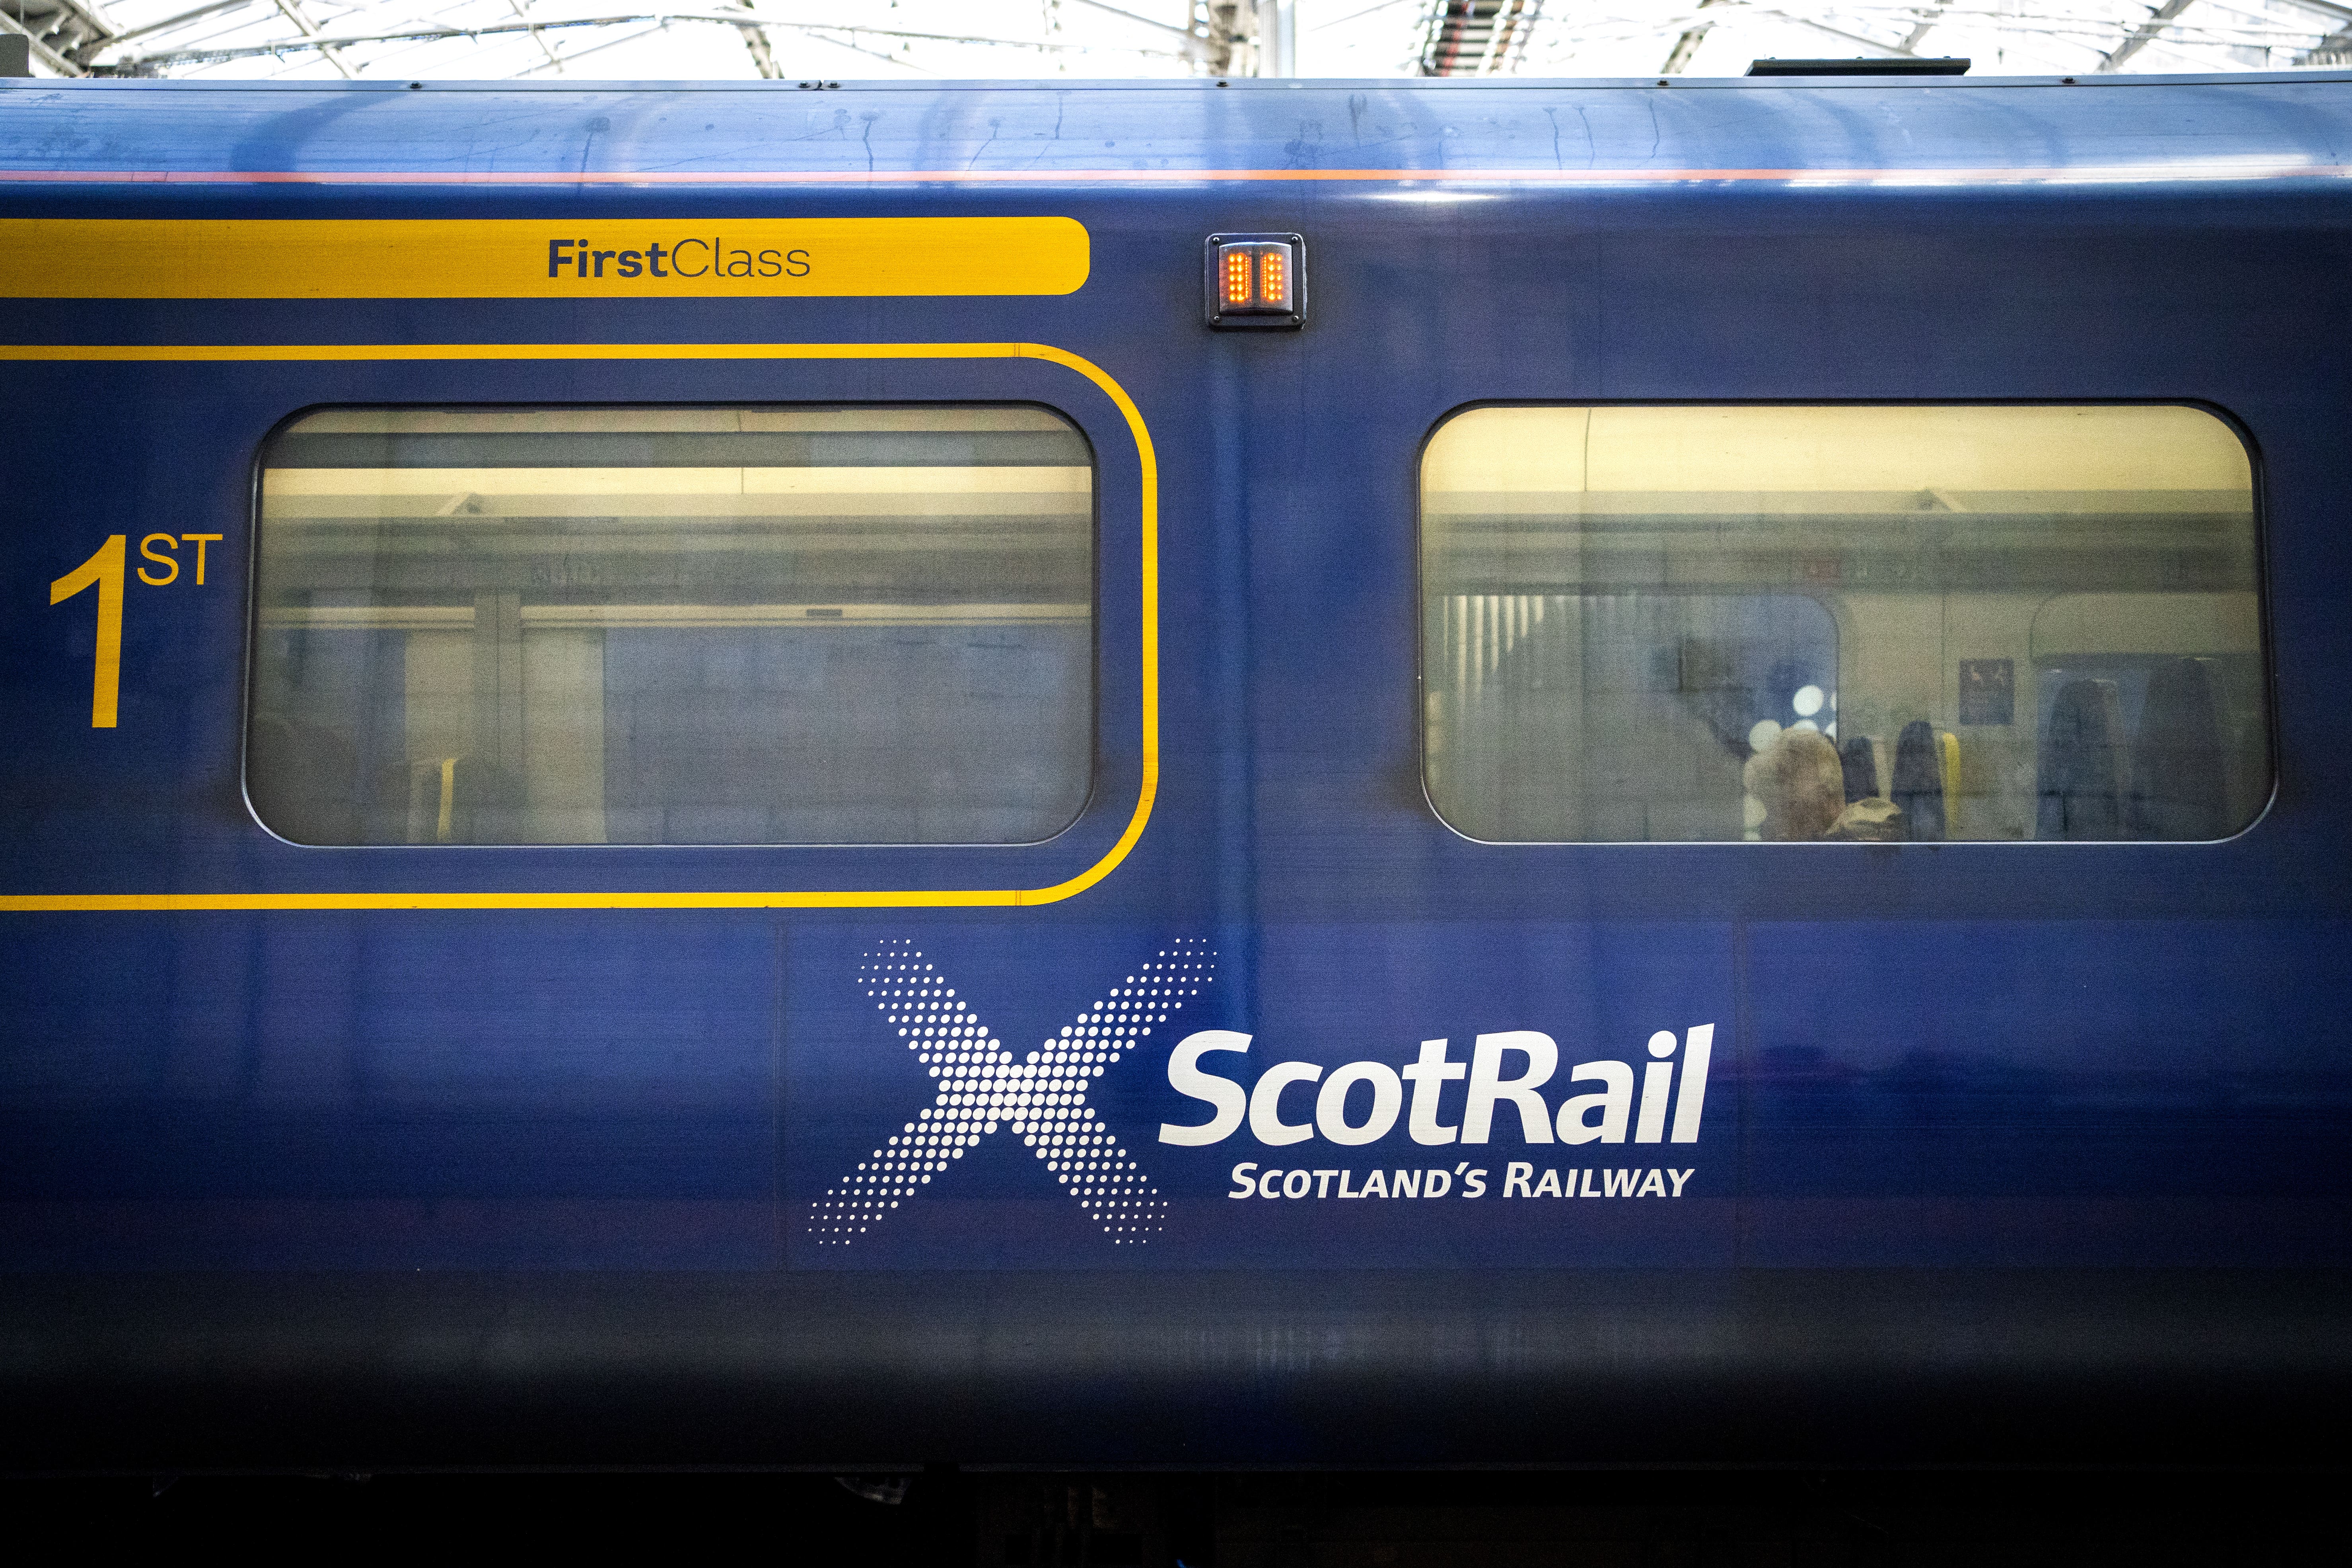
[(531, 259), (1948, 753), (1147, 465)]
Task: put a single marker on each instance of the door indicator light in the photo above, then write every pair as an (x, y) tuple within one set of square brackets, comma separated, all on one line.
[(1257, 280)]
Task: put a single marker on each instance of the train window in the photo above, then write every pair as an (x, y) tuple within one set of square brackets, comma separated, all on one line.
[(674, 625), (1840, 623)]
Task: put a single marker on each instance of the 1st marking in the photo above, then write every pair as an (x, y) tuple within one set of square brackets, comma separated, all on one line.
[(104, 570)]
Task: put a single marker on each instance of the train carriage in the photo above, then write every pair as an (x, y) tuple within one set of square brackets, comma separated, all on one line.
[(1256, 774)]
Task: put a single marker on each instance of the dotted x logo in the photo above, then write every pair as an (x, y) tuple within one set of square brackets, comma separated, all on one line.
[(984, 1086)]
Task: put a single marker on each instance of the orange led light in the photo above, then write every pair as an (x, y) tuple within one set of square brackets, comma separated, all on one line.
[(1256, 281), (1237, 277), (1274, 276)]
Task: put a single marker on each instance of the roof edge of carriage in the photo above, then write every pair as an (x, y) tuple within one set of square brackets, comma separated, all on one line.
[(1774, 83)]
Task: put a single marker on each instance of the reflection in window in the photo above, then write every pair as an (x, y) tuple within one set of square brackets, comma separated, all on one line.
[(1840, 623), (751, 626)]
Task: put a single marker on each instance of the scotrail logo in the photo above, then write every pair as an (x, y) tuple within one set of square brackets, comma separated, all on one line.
[(984, 1086), (1509, 1069)]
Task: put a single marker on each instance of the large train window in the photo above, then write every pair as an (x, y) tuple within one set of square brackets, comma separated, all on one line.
[(674, 625), (1840, 623)]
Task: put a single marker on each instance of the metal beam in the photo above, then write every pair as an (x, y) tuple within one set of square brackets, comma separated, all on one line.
[(1228, 29), (1882, 50), (763, 57), (1475, 37), (430, 33), (168, 23), (94, 24), (854, 48), (557, 64), (41, 51), (2144, 34), (555, 60), (1922, 28), (61, 33), (1277, 38), (1194, 47), (1686, 45), (2337, 42), (292, 11)]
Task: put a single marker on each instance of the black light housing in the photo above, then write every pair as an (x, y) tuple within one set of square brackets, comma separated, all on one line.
[(1255, 282)]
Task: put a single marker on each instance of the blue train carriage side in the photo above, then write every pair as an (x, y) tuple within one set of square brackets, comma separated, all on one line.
[(1267, 772)]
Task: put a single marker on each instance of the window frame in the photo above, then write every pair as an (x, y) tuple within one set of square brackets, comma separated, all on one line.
[(2265, 652), (1093, 716)]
